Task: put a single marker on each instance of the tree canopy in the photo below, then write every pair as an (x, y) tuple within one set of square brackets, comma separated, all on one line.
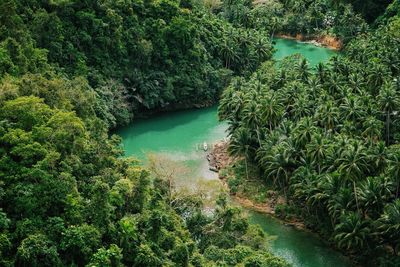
[(327, 138)]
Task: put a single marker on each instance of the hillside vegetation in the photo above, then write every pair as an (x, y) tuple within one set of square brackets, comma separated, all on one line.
[(71, 71), (328, 140)]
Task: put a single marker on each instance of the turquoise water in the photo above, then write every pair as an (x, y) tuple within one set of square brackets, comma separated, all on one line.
[(173, 132), (179, 136), (312, 53), (302, 249)]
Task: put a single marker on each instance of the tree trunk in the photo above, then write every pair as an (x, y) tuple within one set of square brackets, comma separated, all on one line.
[(247, 172), (355, 195), (387, 128), (258, 136), (272, 34)]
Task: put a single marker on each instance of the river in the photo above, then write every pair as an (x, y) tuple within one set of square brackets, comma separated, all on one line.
[(179, 137)]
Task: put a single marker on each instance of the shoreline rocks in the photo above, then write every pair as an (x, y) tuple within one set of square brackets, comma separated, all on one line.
[(218, 158), (330, 42)]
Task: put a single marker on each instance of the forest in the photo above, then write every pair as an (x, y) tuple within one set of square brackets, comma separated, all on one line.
[(327, 138)]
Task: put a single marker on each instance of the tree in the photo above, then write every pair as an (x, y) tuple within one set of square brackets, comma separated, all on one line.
[(389, 225), (389, 103), (37, 250), (372, 128), (327, 115), (352, 232), (240, 145), (273, 110), (374, 192), (353, 165), (278, 164), (80, 242), (168, 171), (394, 169), (303, 132), (252, 119), (317, 150), (26, 112), (107, 257)]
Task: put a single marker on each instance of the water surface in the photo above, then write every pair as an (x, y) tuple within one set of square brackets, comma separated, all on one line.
[(314, 54), (179, 137), (300, 248)]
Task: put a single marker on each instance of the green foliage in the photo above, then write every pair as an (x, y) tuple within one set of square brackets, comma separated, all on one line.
[(107, 257), (37, 250), (67, 198), (321, 17), (72, 70), (138, 56), (326, 138)]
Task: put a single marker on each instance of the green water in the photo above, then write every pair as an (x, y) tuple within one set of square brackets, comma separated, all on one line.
[(312, 53), (179, 137), (300, 248)]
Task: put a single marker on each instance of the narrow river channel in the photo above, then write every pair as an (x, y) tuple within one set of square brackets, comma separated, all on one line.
[(180, 136)]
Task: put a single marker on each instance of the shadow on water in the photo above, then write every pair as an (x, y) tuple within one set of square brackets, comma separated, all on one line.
[(152, 123)]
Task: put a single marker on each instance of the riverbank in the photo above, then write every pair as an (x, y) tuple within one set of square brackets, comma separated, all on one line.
[(327, 41), (148, 113), (220, 161)]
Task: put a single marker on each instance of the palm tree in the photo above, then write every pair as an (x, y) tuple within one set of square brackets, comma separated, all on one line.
[(356, 82), (252, 117), (303, 70), (275, 23), (394, 169), (240, 145), (272, 110), (340, 202), (303, 132), (316, 13), (374, 193), (372, 128), (317, 150), (314, 87), (378, 155), (327, 115), (301, 108), (279, 163), (352, 109), (229, 53), (389, 102), (352, 232), (376, 77), (321, 72), (389, 225), (262, 49), (334, 84), (225, 107), (353, 165)]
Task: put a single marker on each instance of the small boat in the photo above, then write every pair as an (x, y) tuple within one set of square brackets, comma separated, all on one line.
[(213, 169), (205, 146)]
